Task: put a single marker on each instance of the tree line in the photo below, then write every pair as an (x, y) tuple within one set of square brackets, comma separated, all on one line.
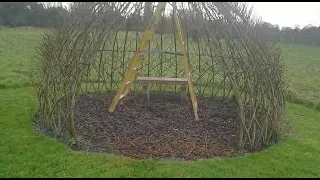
[(306, 35), (15, 14), (36, 14)]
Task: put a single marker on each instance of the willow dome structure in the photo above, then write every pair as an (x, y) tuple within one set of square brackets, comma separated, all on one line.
[(228, 59)]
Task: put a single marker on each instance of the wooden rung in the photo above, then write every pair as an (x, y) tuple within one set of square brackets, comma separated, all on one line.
[(161, 80)]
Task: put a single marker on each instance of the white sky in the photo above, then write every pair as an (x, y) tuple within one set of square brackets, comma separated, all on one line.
[(287, 14)]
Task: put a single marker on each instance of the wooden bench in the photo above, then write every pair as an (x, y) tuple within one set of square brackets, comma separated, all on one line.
[(163, 80)]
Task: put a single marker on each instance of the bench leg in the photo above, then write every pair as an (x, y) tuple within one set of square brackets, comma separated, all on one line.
[(146, 89), (183, 93)]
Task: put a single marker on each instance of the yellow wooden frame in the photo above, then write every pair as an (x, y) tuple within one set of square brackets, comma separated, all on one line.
[(130, 75)]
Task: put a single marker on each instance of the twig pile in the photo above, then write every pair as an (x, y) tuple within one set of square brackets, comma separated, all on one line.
[(162, 127)]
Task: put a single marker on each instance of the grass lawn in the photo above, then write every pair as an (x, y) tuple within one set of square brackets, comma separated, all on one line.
[(303, 71), (24, 153)]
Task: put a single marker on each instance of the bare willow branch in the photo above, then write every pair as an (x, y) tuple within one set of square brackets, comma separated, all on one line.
[(227, 55)]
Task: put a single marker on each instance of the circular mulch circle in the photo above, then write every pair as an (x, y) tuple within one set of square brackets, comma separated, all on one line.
[(159, 128)]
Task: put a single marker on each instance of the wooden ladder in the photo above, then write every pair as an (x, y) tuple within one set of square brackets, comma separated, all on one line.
[(130, 75)]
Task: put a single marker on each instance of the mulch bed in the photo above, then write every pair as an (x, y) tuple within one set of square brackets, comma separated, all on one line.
[(162, 127)]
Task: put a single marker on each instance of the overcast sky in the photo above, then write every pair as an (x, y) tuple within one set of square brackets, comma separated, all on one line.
[(287, 13)]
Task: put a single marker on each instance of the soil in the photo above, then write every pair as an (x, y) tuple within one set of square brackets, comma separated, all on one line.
[(159, 128)]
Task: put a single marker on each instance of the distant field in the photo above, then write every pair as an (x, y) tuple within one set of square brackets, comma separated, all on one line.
[(16, 53), (303, 71), (24, 153)]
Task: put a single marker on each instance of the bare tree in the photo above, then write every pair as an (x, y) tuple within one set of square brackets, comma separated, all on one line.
[(147, 15)]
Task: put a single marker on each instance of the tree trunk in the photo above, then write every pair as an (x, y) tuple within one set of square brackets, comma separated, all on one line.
[(147, 15)]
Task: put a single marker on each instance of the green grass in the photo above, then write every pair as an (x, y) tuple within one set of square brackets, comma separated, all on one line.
[(16, 53), (24, 153), (303, 71)]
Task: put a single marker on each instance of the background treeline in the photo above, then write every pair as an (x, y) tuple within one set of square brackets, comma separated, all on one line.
[(46, 15)]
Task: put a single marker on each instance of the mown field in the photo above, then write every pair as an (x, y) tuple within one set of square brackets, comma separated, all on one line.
[(25, 153)]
